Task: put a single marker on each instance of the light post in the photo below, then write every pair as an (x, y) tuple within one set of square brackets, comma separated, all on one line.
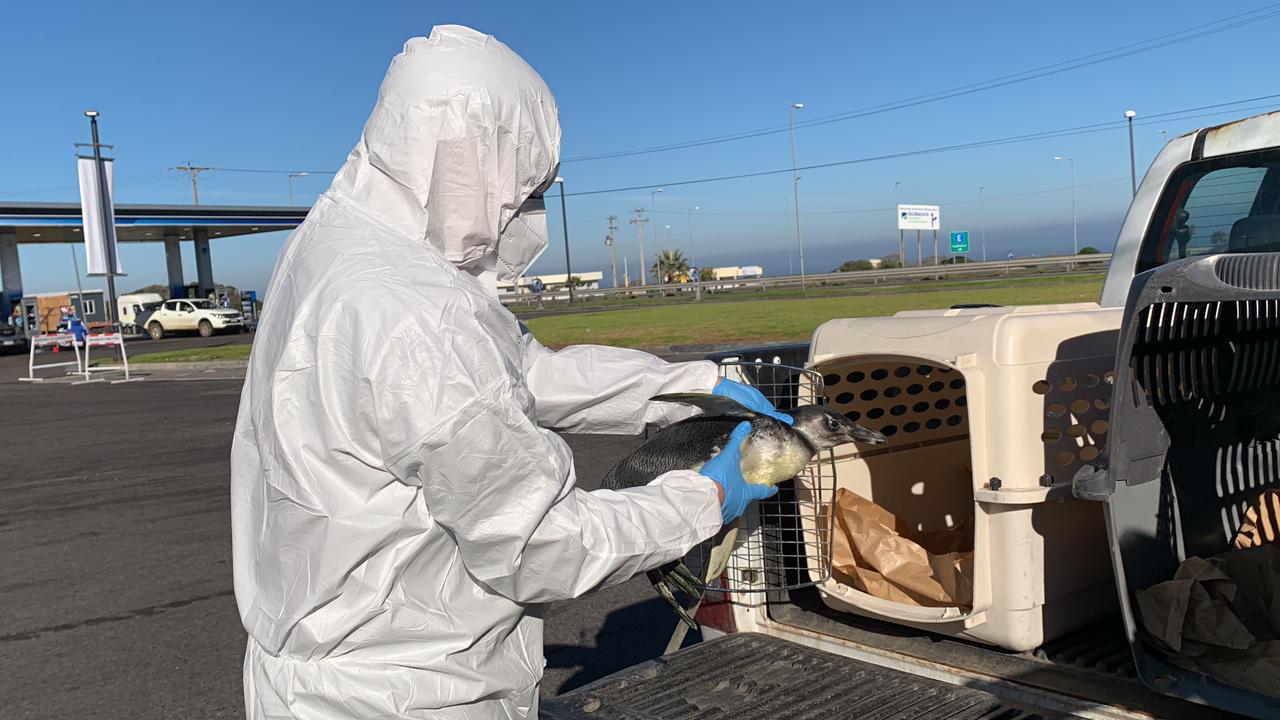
[(795, 185), (564, 223), (982, 223), (902, 248), (1075, 235), (693, 255), (104, 199), (1164, 138), (291, 177), (653, 215), (1133, 168)]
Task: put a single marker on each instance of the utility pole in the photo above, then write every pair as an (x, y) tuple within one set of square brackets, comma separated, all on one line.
[(795, 184), (982, 222), (639, 220), (611, 240), (105, 199), (193, 171)]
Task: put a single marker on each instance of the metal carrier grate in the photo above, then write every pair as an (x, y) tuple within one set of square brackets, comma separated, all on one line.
[(783, 542)]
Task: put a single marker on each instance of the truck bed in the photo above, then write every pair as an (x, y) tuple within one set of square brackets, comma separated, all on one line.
[(749, 675)]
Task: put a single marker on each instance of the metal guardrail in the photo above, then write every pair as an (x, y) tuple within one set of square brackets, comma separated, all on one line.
[(1097, 262)]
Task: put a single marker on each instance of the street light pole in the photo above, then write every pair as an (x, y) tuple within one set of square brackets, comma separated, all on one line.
[(693, 254), (982, 222), (902, 248), (291, 177), (564, 222), (1164, 138), (104, 201), (795, 185), (1075, 235), (1133, 168)]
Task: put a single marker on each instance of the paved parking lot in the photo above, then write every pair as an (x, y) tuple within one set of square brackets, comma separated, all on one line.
[(116, 598)]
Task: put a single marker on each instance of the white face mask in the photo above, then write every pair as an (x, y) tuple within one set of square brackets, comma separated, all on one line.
[(522, 240)]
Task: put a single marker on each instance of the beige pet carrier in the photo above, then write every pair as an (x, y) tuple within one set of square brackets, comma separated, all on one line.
[(988, 412)]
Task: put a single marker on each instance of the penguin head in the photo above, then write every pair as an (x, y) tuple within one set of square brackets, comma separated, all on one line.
[(826, 430)]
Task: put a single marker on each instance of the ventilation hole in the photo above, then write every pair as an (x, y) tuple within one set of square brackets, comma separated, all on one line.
[(1099, 427), (1049, 437), (920, 407), (1068, 384), (924, 369), (869, 394), (1091, 380), (936, 386), (915, 389), (830, 380), (898, 410), (954, 420), (911, 427), (945, 370), (933, 423), (892, 391), (889, 430), (962, 401), (1041, 387), (1055, 410), (879, 374), (856, 376), (942, 404), (853, 415), (917, 488), (844, 398), (1089, 452), (1076, 431), (1079, 407), (957, 383), (1101, 404), (902, 371), (875, 413), (1063, 459)]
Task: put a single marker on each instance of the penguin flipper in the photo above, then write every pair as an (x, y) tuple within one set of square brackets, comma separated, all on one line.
[(658, 579), (710, 405)]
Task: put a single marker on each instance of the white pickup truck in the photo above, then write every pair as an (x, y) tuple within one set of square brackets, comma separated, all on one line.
[(1193, 298), (202, 316)]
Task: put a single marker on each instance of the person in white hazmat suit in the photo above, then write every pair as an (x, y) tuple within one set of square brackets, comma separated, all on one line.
[(399, 511)]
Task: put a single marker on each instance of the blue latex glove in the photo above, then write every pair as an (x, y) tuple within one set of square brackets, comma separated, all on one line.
[(750, 398), (724, 470)]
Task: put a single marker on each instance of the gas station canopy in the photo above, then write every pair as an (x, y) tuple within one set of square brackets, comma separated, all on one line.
[(61, 222)]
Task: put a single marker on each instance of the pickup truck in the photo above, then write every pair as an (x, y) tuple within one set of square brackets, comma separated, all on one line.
[(202, 316), (1196, 273)]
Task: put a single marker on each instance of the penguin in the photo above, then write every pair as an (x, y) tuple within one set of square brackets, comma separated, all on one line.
[(774, 452)]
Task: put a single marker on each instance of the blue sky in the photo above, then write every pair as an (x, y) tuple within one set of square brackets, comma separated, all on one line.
[(288, 85)]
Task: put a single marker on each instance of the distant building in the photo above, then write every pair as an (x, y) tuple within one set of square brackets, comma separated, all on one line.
[(44, 310), (554, 283)]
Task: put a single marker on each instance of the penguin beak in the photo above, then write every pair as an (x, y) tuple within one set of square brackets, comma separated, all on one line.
[(866, 436)]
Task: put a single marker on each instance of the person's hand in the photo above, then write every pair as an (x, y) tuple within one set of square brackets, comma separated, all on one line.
[(750, 398), (724, 471)]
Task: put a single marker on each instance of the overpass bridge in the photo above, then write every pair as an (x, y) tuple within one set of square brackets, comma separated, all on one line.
[(34, 223)]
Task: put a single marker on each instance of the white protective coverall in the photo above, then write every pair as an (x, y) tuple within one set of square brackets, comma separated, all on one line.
[(399, 512)]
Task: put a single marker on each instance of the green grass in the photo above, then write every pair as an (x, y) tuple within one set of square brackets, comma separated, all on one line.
[(747, 319), (777, 320), (220, 352)]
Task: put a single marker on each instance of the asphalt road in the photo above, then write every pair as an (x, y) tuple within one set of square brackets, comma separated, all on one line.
[(116, 600)]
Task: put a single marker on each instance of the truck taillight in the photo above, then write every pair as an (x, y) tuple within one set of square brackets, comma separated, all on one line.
[(716, 613)]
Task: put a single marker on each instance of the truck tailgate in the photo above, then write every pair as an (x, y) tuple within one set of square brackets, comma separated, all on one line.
[(748, 675)]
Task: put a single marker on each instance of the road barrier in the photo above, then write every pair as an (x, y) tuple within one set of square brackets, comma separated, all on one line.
[(57, 342), (81, 361), (1079, 263)]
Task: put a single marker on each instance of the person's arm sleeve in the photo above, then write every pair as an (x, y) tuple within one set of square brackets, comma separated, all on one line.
[(599, 389), (504, 490)]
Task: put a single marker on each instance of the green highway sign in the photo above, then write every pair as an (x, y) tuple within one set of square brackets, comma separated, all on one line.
[(960, 242)]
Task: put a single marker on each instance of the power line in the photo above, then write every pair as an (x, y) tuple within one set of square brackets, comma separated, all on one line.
[(275, 172), (193, 171), (1027, 137), (1198, 31)]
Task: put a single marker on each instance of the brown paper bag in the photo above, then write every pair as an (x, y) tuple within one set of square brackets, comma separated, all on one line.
[(875, 553)]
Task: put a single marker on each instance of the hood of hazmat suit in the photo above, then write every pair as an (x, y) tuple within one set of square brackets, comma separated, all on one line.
[(400, 507)]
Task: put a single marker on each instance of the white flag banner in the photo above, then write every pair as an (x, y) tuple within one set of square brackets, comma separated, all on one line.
[(99, 236)]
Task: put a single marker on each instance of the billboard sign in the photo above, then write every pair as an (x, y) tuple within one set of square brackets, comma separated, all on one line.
[(919, 217), (960, 243)]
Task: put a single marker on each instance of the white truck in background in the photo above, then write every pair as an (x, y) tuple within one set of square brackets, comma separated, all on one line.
[(1194, 283)]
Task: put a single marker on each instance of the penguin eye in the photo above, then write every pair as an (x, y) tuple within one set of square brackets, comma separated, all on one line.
[(831, 424)]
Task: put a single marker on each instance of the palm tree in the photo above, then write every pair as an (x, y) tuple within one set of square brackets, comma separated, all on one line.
[(670, 266)]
